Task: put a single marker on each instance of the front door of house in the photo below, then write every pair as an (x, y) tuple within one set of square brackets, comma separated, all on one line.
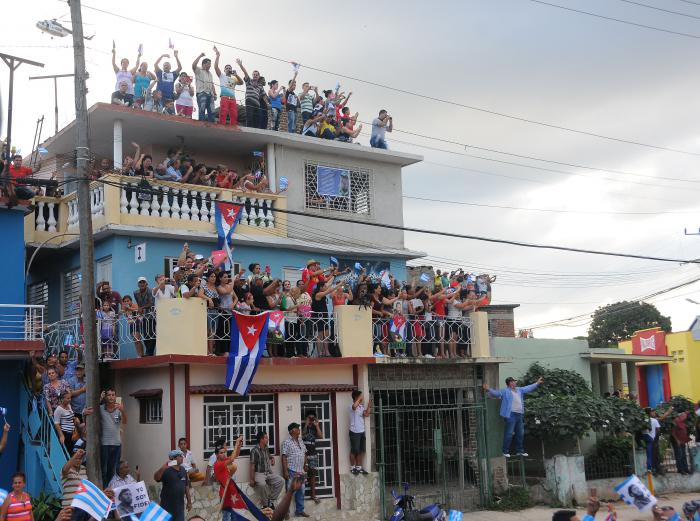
[(321, 405)]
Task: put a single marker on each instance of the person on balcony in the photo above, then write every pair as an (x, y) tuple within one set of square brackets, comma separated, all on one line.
[(130, 311), (380, 126), (54, 389), (121, 96), (275, 94), (142, 81), (228, 109), (65, 421), (17, 170), (291, 103), (123, 73), (146, 309), (107, 327), (513, 412), (211, 295), (206, 94), (323, 323), (105, 294), (184, 92), (166, 77), (163, 289)]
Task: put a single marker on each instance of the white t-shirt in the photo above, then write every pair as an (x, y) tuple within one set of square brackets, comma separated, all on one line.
[(212, 460), (357, 419), (517, 404), (168, 291), (654, 426), (185, 98)]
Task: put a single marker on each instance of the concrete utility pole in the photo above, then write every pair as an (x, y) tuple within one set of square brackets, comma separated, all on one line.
[(54, 77), (13, 62), (87, 253)]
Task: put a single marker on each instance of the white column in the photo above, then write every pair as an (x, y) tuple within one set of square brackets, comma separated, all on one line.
[(40, 221), (52, 218), (271, 167), (118, 153)]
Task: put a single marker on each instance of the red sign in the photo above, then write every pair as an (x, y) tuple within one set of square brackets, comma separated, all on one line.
[(649, 342)]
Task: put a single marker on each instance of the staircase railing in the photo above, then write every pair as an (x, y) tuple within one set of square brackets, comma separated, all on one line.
[(41, 444)]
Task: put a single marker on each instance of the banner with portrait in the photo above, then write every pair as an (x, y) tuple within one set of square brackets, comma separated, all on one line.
[(131, 499), (333, 182), (633, 492)]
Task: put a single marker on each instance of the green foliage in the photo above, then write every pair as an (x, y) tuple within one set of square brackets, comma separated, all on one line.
[(680, 405), (513, 499), (557, 381), (45, 507), (616, 322)]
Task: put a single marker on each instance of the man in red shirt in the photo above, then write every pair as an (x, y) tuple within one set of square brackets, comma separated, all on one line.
[(17, 170), (680, 438), (313, 275), (224, 469)]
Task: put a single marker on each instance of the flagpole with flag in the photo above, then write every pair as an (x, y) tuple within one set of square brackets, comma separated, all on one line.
[(248, 337), (227, 216)]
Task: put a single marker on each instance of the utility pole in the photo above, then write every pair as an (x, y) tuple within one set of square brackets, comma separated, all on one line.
[(12, 62), (55, 91), (87, 253)]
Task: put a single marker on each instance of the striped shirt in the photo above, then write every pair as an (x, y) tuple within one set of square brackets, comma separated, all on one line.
[(64, 418), (253, 91), (295, 450), (20, 507), (307, 102), (71, 484)]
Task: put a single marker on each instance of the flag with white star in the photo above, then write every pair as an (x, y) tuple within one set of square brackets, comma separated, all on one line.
[(248, 337), (227, 216)]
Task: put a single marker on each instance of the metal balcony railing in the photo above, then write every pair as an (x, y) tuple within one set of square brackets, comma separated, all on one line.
[(397, 332), (21, 322)]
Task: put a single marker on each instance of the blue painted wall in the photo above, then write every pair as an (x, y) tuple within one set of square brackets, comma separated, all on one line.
[(125, 271), (10, 376), (655, 384), (13, 292)]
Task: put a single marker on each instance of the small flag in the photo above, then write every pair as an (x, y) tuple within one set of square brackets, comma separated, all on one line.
[(334, 262), (455, 516), (424, 277), (295, 66), (226, 216), (284, 184), (3, 411), (358, 266), (170, 44), (92, 500), (337, 86), (218, 256), (154, 512), (276, 323), (450, 290), (248, 336), (386, 281), (3, 495), (257, 153), (140, 48), (42, 151)]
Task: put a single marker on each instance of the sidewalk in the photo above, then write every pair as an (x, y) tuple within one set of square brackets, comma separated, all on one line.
[(624, 512)]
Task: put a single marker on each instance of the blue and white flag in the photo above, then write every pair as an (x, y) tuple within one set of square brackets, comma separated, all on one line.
[(334, 262), (3, 411), (358, 266), (284, 184), (248, 337), (633, 492), (454, 515), (154, 512), (3, 495), (227, 216), (89, 498), (244, 509), (386, 280), (424, 277), (140, 49)]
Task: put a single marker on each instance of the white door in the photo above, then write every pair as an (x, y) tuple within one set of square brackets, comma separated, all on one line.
[(292, 275), (104, 270)]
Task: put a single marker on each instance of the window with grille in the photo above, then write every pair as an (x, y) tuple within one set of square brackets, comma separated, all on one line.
[(38, 294), (151, 410), (70, 294), (171, 262), (230, 416), (338, 188)]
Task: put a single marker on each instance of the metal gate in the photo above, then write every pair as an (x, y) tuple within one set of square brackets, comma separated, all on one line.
[(321, 405)]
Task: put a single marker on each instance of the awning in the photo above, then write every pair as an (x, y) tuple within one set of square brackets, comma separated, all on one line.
[(274, 388), (626, 357), (147, 393)]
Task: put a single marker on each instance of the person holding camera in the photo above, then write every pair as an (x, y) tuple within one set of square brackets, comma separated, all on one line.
[(311, 432), (380, 126), (227, 83)]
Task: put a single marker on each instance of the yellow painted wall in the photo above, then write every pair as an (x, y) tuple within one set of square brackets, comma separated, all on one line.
[(354, 330), (181, 327), (685, 368)]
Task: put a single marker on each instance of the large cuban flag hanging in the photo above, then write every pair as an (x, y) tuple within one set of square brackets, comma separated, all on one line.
[(248, 336), (227, 216)]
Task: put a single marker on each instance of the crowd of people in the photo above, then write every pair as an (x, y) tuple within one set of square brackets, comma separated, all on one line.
[(428, 320), (172, 91)]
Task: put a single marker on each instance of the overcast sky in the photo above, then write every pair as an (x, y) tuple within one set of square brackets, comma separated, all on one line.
[(516, 57)]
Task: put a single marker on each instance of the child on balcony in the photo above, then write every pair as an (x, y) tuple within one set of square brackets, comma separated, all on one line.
[(107, 325)]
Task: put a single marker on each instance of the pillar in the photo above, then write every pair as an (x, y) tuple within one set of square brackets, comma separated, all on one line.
[(271, 167), (481, 343), (595, 379), (118, 153), (617, 376), (632, 379), (604, 383)]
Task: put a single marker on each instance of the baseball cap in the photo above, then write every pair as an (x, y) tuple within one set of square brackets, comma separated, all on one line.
[(80, 366), (175, 453), (142, 279), (199, 256), (511, 379), (293, 426)]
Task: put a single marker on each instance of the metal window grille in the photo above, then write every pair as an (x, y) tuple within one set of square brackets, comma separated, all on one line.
[(38, 294), (229, 416), (321, 405), (151, 410), (70, 298), (358, 200)]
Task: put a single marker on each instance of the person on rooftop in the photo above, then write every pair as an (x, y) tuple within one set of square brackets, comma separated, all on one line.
[(228, 109), (254, 88), (142, 81), (184, 92), (380, 126), (123, 73), (166, 77), (206, 94)]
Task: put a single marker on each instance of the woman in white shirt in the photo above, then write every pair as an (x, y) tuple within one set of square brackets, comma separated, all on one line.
[(65, 421)]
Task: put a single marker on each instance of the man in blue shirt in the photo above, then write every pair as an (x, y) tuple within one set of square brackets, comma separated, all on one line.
[(512, 411), (78, 396)]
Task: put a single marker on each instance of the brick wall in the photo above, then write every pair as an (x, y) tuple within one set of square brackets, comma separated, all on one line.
[(503, 327)]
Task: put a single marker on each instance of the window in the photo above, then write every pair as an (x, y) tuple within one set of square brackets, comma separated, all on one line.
[(70, 294), (229, 416), (292, 275), (38, 294), (338, 188), (103, 270), (151, 410)]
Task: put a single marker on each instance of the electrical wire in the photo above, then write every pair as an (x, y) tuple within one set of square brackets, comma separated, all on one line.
[(395, 89), (660, 9)]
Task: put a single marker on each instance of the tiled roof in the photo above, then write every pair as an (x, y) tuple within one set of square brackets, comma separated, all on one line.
[(274, 388), (147, 393)]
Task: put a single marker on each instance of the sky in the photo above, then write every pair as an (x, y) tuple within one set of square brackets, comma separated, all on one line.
[(515, 57)]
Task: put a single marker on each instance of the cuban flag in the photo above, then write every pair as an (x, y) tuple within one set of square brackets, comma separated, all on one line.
[(243, 508), (276, 323), (89, 498), (248, 336), (424, 277), (154, 512), (398, 327), (227, 216)]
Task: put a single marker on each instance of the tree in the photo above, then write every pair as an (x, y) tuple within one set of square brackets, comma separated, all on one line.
[(616, 322)]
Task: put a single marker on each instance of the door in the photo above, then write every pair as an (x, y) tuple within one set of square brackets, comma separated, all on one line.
[(321, 405), (103, 270), (70, 294), (292, 275)]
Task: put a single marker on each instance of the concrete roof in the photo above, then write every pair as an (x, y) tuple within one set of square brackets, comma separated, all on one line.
[(149, 127), (607, 356)]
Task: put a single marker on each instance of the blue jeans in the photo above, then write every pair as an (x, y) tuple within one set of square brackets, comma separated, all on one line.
[(377, 142), (291, 121), (109, 459), (205, 102), (276, 118), (299, 494), (514, 424), (650, 451), (681, 458)]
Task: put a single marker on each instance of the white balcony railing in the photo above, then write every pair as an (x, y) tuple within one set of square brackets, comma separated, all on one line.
[(21, 322)]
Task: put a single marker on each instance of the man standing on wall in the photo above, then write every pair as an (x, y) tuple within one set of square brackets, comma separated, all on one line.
[(513, 411), (358, 413)]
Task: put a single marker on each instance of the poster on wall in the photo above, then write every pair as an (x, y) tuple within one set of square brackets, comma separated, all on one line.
[(131, 499), (334, 182)]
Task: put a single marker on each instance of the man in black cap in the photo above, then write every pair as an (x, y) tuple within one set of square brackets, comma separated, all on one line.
[(512, 412), (294, 464)]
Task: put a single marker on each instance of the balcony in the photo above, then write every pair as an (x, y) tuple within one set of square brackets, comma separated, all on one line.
[(21, 327), (175, 206), (185, 327)]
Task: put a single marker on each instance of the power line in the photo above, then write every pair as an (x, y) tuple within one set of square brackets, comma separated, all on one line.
[(619, 20), (455, 235), (404, 91), (660, 9)]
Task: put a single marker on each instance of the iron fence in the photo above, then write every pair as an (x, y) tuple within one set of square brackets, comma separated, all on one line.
[(614, 466), (21, 322), (119, 336), (425, 335)]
